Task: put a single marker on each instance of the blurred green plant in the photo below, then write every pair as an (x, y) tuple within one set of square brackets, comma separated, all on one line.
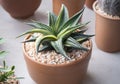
[(6, 73), (2, 52)]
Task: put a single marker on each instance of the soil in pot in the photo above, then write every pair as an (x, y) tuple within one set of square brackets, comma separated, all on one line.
[(51, 68), (21, 8), (107, 31)]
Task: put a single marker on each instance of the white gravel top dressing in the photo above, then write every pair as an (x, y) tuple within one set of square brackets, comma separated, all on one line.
[(105, 14), (51, 57)]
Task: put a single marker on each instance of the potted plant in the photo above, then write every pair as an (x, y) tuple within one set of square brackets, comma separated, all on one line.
[(89, 3), (73, 6), (107, 25), (58, 52), (21, 8), (7, 75)]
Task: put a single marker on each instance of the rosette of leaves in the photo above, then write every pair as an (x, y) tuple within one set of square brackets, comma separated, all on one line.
[(111, 7), (62, 34)]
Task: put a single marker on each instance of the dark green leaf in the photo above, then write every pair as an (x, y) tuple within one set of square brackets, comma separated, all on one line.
[(12, 68), (2, 54), (45, 48), (2, 40), (62, 18), (68, 31), (4, 64), (36, 31), (71, 42), (39, 25), (29, 40), (39, 40), (73, 20), (79, 36), (58, 46), (52, 19)]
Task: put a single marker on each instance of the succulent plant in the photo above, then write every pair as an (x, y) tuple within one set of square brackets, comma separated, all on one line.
[(6, 72), (111, 7), (7, 75), (62, 34)]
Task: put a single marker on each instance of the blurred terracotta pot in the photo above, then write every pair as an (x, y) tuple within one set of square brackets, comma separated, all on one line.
[(107, 32), (20, 8), (71, 73), (89, 3), (73, 6)]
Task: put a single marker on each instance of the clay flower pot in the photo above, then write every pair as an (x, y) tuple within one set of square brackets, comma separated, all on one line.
[(107, 31), (73, 6), (89, 3), (70, 73), (20, 8)]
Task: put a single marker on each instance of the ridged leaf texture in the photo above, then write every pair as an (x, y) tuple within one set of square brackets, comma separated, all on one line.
[(61, 34)]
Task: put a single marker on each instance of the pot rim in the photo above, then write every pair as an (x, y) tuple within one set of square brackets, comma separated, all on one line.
[(86, 55), (105, 16)]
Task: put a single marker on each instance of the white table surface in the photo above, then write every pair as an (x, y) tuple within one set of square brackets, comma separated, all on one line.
[(104, 68)]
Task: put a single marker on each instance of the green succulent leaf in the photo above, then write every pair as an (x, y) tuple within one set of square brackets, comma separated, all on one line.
[(42, 31), (2, 40), (2, 54), (78, 35), (71, 42), (58, 46), (81, 40), (39, 40), (82, 30), (29, 40), (39, 25), (68, 31), (52, 19), (73, 20), (4, 64), (62, 18), (44, 48)]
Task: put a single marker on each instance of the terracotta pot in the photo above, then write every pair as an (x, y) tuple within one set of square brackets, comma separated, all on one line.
[(107, 32), (20, 8), (71, 73), (73, 6), (89, 3)]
